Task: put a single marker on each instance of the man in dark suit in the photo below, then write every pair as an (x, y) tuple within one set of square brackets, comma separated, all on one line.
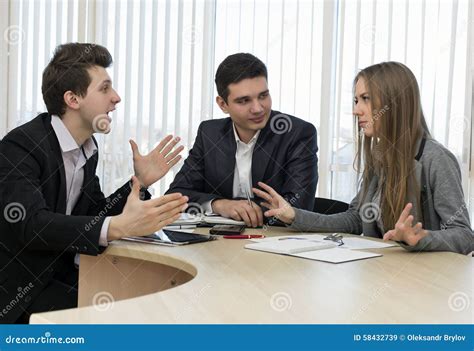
[(231, 155), (51, 204)]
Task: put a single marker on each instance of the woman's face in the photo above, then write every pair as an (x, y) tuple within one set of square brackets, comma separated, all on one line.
[(363, 108)]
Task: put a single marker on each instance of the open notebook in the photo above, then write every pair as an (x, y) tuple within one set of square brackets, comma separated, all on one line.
[(326, 251), (187, 219)]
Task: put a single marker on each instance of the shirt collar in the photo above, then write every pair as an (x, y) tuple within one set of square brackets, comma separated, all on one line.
[(66, 140), (237, 138)]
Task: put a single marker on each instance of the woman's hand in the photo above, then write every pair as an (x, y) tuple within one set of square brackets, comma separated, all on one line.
[(277, 206), (404, 229)]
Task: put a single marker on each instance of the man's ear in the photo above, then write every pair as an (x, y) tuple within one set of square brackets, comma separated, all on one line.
[(71, 100), (222, 104)]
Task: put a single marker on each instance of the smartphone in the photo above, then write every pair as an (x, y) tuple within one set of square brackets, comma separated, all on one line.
[(223, 229)]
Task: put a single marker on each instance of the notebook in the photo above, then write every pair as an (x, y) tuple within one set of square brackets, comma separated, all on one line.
[(189, 220)]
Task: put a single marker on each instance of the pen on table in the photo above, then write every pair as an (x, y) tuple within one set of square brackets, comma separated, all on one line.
[(251, 236)]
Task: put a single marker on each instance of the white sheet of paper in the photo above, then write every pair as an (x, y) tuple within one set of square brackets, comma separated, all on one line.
[(350, 242), (336, 255)]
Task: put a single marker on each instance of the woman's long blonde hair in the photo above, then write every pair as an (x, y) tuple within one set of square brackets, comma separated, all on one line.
[(398, 125)]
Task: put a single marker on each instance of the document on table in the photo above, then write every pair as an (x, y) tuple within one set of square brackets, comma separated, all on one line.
[(336, 255), (309, 249), (350, 242)]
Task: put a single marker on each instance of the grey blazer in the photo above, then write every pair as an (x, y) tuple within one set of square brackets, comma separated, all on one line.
[(443, 209)]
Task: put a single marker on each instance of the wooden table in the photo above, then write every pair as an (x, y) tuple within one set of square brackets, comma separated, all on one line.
[(221, 282)]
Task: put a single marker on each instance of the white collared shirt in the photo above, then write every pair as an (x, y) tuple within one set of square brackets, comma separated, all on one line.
[(242, 171), (74, 158), (243, 166)]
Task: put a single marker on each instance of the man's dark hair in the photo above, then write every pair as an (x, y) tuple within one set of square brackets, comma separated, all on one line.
[(67, 70), (236, 68)]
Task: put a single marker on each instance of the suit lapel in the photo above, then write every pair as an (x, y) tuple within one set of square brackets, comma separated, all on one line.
[(262, 153), (59, 167), (228, 148)]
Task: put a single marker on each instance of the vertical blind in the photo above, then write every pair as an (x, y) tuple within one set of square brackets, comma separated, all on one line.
[(166, 52)]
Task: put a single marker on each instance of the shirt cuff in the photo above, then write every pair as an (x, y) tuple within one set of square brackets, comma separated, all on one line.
[(104, 231), (207, 207)]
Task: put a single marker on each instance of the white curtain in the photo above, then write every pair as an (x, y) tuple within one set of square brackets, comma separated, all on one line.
[(166, 52)]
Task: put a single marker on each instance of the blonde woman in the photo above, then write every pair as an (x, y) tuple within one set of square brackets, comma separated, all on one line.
[(410, 189)]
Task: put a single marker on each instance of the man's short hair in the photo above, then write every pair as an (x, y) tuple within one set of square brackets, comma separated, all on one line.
[(236, 68), (67, 70)]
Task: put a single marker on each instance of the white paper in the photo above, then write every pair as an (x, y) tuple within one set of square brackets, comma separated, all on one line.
[(350, 242), (290, 246), (336, 255)]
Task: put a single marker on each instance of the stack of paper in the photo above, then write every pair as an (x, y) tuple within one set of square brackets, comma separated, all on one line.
[(314, 247)]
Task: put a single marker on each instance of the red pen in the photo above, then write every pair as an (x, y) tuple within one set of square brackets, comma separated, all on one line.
[(244, 236)]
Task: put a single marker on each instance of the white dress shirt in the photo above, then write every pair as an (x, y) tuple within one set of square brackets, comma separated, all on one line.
[(74, 158), (242, 183)]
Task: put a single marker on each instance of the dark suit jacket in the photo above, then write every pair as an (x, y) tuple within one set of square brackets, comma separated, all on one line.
[(41, 241), (286, 161)]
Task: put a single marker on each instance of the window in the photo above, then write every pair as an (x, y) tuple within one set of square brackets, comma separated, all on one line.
[(166, 52)]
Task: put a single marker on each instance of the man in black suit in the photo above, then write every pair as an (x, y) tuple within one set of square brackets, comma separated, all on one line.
[(231, 155), (51, 204)]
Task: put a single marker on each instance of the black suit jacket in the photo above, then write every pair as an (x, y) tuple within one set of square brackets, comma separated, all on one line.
[(40, 240), (285, 160)]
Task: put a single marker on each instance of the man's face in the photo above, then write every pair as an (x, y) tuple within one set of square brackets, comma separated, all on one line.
[(99, 101), (249, 104)]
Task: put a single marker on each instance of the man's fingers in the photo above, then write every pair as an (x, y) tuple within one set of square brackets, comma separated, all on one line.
[(172, 155), (259, 213), (174, 161), (266, 204), (169, 210), (244, 215), (167, 149), (168, 221), (135, 191), (163, 143), (252, 215), (134, 147), (166, 198)]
